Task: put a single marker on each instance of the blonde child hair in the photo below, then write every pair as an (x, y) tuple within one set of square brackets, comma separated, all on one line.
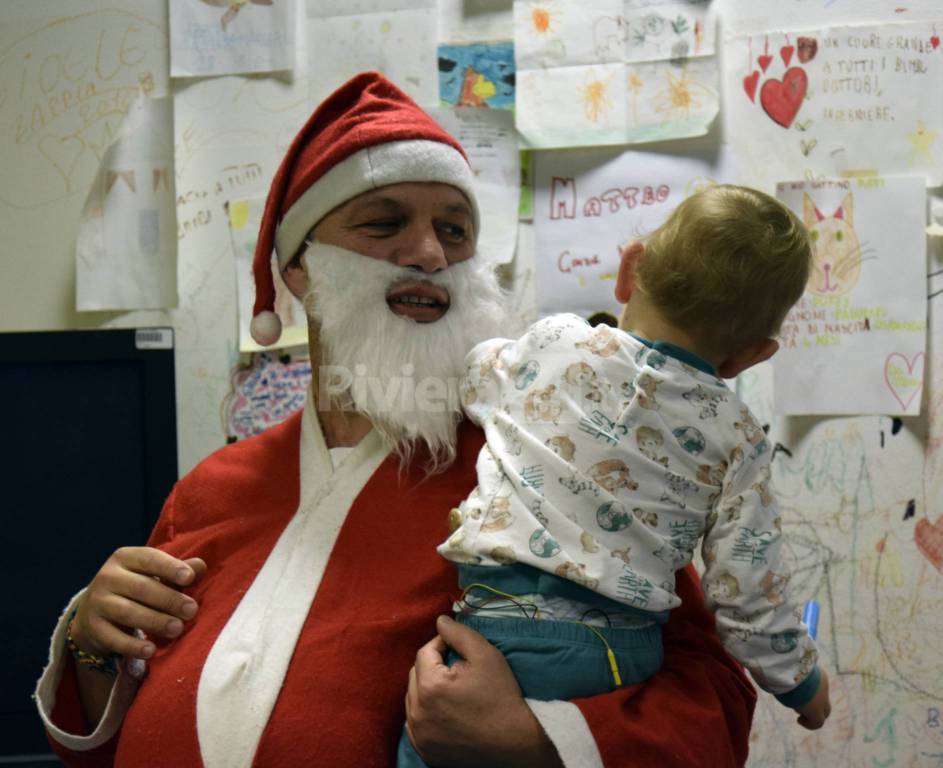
[(726, 267)]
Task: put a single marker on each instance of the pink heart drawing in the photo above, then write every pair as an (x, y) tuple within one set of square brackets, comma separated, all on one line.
[(782, 98), (786, 53), (929, 540), (749, 84), (764, 61), (904, 386)]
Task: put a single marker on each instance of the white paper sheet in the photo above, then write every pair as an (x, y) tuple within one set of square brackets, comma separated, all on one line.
[(490, 142), (126, 245), (472, 21), (589, 203), (245, 217), (396, 38), (614, 71), (855, 343), (837, 102), (224, 37)]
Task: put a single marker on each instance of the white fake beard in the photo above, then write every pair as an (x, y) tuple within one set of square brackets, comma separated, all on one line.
[(403, 375)]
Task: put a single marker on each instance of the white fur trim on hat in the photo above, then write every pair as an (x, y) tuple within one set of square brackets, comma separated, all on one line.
[(397, 162)]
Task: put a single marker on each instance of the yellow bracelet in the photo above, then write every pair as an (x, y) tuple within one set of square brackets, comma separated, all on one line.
[(105, 664)]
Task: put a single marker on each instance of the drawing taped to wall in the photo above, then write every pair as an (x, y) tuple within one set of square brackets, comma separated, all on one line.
[(863, 315), (837, 102), (477, 75), (615, 73)]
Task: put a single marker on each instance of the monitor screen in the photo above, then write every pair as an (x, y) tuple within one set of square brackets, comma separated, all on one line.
[(89, 455)]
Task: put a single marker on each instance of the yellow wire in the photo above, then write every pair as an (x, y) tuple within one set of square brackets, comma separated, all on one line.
[(610, 654)]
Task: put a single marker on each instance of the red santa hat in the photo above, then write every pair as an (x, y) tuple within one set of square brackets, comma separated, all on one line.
[(365, 135)]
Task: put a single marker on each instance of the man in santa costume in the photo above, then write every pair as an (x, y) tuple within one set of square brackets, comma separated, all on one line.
[(292, 577)]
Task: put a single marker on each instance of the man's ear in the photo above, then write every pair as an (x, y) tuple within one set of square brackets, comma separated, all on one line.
[(295, 277), (628, 262), (747, 357)]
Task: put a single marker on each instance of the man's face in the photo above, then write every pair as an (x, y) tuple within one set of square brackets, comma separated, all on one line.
[(425, 228)]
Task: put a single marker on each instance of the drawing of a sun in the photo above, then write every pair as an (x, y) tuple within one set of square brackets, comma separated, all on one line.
[(679, 98), (922, 141), (596, 101), (543, 18)]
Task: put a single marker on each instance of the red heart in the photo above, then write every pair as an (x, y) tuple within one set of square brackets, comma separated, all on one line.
[(749, 84), (786, 53), (782, 99), (764, 61), (934, 41), (929, 540)]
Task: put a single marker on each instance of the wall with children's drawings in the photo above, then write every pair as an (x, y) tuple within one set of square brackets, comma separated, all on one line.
[(860, 495)]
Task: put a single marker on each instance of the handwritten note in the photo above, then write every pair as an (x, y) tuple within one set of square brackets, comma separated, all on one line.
[(218, 37), (67, 84), (589, 203), (855, 342), (619, 71), (843, 101)]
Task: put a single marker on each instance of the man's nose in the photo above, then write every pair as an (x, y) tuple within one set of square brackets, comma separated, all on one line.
[(422, 250)]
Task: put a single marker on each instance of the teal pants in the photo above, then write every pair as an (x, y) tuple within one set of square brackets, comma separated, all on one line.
[(560, 660)]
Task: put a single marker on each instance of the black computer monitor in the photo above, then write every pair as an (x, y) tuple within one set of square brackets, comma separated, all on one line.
[(89, 453)]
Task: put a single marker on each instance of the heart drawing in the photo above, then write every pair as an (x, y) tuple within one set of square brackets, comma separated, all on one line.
[(781, 99), (904, 377), (750, 83), (929, 540)]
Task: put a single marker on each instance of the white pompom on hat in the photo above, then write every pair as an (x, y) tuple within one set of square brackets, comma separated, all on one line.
[(367, 134)]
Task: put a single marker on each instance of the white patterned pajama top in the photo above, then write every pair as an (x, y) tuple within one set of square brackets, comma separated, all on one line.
[(607, 460)]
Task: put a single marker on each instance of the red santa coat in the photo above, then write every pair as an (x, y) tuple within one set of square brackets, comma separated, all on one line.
[(267, 675)]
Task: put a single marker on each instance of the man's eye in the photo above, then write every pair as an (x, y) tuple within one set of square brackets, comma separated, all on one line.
[(454, 232), (384, 225)]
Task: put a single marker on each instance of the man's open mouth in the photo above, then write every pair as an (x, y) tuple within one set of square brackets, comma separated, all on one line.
[(419, 301)]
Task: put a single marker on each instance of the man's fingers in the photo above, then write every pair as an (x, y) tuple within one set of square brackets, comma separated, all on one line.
[(430, 656), (156, 595), (113, 640), (154, 562), (466, 642), (198, 566), (127, 613)]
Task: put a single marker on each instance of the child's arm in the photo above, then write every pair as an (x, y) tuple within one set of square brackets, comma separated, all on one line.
[(745, 584)]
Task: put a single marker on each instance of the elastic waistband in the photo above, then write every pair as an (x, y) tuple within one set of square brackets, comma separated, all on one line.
[(643, 640), (520, 579)]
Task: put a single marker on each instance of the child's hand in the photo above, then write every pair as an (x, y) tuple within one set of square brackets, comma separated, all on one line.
[(814, 714)]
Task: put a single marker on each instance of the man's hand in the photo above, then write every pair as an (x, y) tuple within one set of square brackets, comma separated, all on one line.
[(471, 713), (137, 587), (814, 714)]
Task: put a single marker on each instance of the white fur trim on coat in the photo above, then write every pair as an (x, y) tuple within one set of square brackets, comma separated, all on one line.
[(566, 727)]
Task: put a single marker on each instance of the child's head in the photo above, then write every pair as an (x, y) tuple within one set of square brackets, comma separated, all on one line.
[(726, 267)]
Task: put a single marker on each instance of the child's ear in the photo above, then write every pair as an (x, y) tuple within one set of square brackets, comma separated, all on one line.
[(628, 263), (747, 357)]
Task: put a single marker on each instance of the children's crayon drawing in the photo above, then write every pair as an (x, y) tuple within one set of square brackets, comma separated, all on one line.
[(590, 203), (855, 342), (621, 71), (843, 101), (224, 37), (477, 75)]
